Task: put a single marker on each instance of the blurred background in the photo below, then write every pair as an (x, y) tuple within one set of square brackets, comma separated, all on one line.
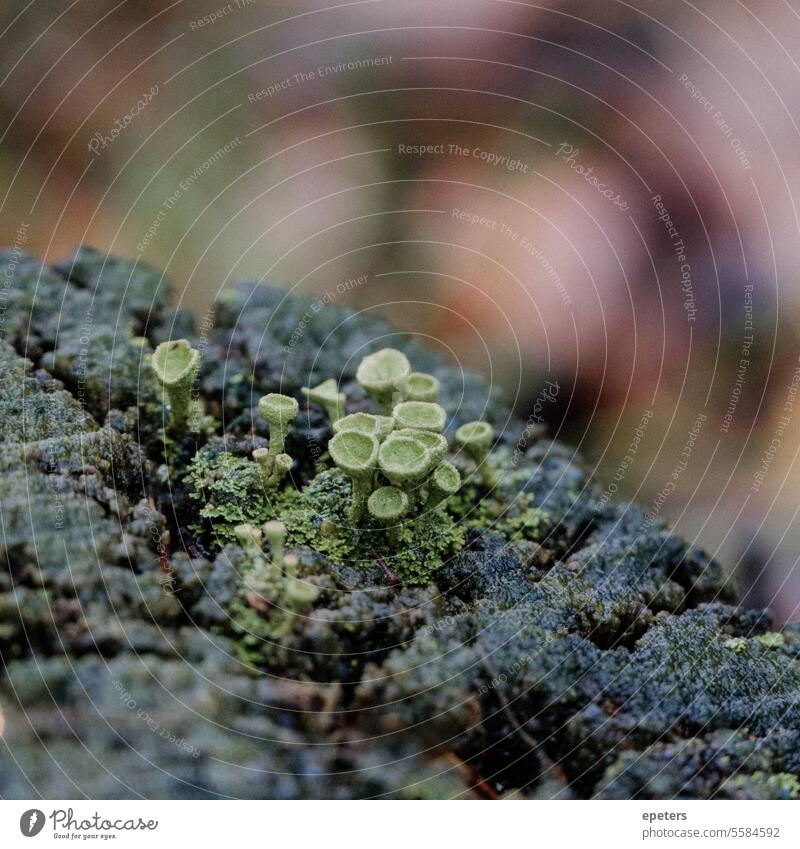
[(593, 203)]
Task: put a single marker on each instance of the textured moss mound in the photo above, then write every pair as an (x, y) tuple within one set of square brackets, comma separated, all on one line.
[(527, 639)]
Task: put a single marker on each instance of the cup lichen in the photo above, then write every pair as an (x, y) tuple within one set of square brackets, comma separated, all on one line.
[(176, 365), (356, 454), (275, 534), (377, 426), (396, 464), (476, 439), (328, 396), (444, 482), (249, 537), (435, 443), (384, 375), (404, 462), (387, 505), (278, 411), (422, 387), (420, 415)]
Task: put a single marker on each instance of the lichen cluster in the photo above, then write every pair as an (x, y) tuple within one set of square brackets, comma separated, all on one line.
[(399, 476), (416, 604)]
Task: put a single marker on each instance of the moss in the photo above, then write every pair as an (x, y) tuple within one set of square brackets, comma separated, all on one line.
[(228, 491), (524, 623), (319, 520), (511, 511), (269, 599), (760, 785), (34, 406)]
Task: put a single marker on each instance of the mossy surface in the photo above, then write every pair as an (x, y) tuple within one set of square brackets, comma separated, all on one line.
[(524, 639)]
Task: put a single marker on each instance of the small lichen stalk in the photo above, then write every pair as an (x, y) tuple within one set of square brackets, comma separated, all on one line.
[(176, 365)]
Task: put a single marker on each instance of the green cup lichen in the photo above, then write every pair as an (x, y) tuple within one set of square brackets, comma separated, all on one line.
[(404, 461), (275, 534), (356, 454), (328, 396), (249, 537), (176, 364), (422, 387), (435, 443), (444, 482), (420, 415), (476, 439), (278, 411), (262, 457), (299, 594), (377, 426), (384, 375), (273, 469), (280, 468), (387, 505)]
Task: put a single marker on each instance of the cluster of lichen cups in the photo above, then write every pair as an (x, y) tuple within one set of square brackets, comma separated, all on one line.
[(406, 449), (271, 586), (396, 459)]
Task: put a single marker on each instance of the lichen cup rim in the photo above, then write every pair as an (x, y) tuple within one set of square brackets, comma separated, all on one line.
[(381, 497), (447, 478), (327, 394), (369, 423), (475, 433), (394, 460), (434, 442), (383, 369), (422, 384), (346, 450), (163, 357), (275, 405), (420, 415)]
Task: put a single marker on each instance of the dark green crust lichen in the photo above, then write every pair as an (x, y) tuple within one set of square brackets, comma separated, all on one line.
[(529, 639)]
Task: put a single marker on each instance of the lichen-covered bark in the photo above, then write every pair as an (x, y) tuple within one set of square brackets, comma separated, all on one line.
[(552, 645)]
